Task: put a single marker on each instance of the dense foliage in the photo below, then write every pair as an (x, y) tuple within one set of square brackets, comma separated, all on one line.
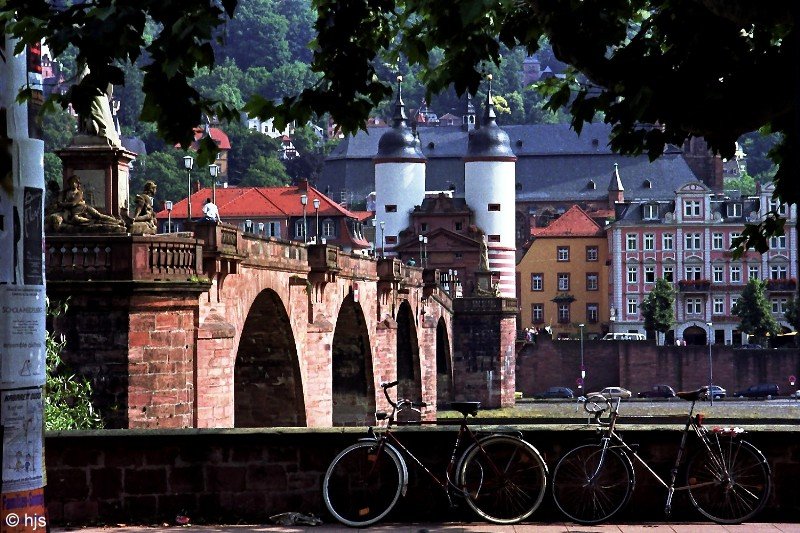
[(754, 310), (658, 307)]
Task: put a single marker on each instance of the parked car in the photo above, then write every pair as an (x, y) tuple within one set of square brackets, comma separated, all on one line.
[(762, 390), (624, 337), (751, 347), (718, 392), (796, 395), (658, 391), (616, 392), (555, 392)]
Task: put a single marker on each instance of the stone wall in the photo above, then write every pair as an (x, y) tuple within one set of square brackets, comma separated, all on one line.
[(638, 365), (244, 476)]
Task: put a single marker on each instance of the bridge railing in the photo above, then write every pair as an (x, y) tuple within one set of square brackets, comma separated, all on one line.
[(122, 257)]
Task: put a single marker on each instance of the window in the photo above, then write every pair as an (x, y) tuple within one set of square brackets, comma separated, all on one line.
[(717, 274), (563, 253), (734, 236), (392, 239), (274, 229), (563, 281), (716, 241), (328, 228), (298, 229), (734, 210), (423, 227), (734, 299), (459, 226), (633, 274), (591, 253), (391, 208), (537, 313), (736, 274), (778, 243), (591, 281), (649, 241), (775, 205), (719, 305), (692, 241), (494, 207), (667, 242), (779, 305), (777, 272), (649, 212), (694, 306), (649, 274), (693, 272), (633, 306), (691, 208), (752, 272), (592, 313), (667, 272), (631, 242), (563, 313), (494, 238), (537, 282)]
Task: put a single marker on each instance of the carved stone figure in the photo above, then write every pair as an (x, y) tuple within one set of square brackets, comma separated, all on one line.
[(483, 266), (95, 119), (69, 213), (143, 219)]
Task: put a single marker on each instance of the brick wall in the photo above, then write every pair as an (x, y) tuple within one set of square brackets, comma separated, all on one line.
[(244, 476)]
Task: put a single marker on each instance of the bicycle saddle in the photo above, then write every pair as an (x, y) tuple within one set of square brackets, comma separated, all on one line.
[(694, 395), (466, 408)]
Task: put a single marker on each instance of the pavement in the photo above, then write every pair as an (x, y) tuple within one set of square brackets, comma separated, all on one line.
[(460, 527)]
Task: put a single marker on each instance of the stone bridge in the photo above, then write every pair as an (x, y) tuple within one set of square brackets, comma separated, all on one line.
[(217, 328)]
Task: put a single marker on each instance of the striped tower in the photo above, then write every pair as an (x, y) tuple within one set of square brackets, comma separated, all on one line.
[(489, 189), (399, 177)]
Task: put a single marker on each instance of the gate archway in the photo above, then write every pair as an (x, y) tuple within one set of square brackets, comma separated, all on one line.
[(695, 336), (268, 387), (351, 359), (408, 367)]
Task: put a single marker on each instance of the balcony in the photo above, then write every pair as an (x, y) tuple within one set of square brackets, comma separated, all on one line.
[(694, 285), (782, 285)]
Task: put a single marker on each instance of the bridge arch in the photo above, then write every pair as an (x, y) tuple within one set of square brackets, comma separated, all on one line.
[(351, 364), (268, 386), (409, 371), (444, 364)]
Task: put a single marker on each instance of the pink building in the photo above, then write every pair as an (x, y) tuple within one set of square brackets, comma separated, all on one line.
[(687, 242)]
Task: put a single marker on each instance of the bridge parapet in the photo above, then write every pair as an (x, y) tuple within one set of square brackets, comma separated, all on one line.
[(274, 254), (122, 257), (223, 247)]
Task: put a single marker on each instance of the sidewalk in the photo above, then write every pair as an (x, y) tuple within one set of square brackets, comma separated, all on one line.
[(462, 527)]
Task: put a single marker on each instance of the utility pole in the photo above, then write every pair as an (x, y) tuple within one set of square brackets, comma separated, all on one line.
[(22, 292)]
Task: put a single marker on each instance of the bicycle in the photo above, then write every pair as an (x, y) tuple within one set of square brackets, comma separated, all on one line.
[(728, 479), (500, 476)]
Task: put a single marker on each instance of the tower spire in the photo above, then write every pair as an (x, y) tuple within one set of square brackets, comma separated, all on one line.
[(399, 118)]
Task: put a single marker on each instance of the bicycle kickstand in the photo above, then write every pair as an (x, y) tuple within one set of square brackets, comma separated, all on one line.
[(668, 506)]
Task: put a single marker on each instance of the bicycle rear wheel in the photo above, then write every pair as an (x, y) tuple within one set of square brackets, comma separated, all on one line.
[(590, 484), (503, 478), (731, 483), (363, 483)]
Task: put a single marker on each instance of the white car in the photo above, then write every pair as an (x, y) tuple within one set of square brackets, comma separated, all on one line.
[(616, 392), (796, 394)]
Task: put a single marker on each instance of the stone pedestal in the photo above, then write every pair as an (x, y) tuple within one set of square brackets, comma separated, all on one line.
[(104, 174)]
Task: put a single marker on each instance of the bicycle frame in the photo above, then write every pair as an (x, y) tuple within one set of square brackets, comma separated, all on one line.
[(611, 438)]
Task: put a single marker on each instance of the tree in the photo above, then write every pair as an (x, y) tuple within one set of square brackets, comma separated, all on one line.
[(792, 316), (658, 308), (266, 171), (754, 311)]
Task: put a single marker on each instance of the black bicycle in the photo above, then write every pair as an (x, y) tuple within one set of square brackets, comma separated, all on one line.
[(500, 476), (728, 479)]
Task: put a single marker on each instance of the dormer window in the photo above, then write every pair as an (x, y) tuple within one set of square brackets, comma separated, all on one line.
[(691, 208), (591, 185), (647, 184), (649, 212), (734, 210)]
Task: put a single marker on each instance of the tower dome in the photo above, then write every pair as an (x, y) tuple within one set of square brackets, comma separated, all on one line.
[(399, 143), (489, 140)]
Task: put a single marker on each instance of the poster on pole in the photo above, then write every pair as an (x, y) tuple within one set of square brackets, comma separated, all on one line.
[(22, 336), (21, 413)]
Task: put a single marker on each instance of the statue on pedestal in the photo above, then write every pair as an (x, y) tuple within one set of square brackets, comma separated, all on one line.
[(143, 219), (95, 120), (68, 212)]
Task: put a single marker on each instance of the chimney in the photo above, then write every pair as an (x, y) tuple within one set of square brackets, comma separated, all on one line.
[(302, 185), (196, 186)]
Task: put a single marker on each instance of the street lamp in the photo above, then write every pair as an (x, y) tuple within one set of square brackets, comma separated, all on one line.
[(425, 250), (304, 201), (168, 207), (213, 170), (710, 365), (188, 163), (316, 212), (383, 240), (421, 240), (583, 368)]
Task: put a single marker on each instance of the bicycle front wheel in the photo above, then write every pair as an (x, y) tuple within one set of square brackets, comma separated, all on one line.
[(592, 483), (363, 483), (730, 483), (503, 478)]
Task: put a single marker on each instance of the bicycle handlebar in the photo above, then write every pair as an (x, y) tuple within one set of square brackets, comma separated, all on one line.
[(401, 403)]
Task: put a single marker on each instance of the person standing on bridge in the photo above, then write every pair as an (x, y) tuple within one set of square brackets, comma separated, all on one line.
[(211, 211)]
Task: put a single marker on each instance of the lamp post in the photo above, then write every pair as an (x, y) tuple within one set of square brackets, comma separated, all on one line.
[(316, 212), (425, 252), (168, 207), (383, 240), (421, 240), (583, 368), (213, 170), (304, 201), (710, 364), (188, 163)]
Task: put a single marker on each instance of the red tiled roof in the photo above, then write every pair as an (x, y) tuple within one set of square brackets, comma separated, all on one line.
[(574, 223), (363, 216), (216, 134)]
